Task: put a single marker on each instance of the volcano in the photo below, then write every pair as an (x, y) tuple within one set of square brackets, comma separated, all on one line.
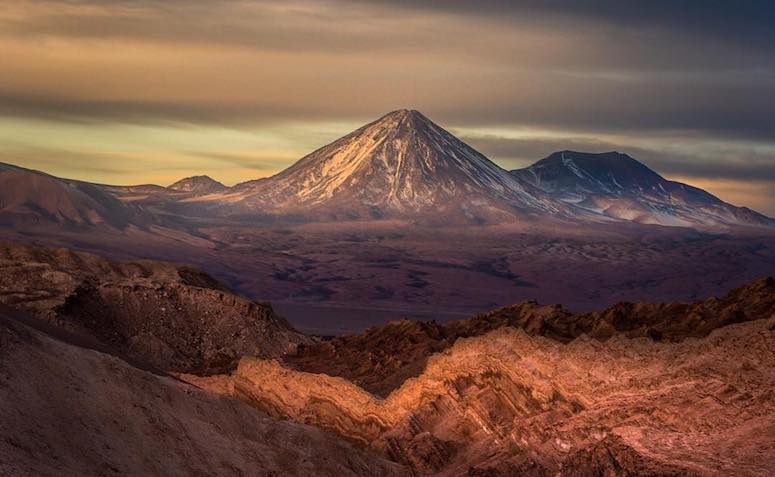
[(402, 165), (617, 186)]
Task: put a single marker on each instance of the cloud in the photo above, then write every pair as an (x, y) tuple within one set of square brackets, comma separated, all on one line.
[(747, 22), (67, 163), (597, 67)]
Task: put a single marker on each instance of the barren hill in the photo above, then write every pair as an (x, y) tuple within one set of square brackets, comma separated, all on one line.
[(174, 317), (618, 186)]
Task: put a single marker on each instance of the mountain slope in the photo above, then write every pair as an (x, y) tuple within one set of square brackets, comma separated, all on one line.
[(401, 166), (32, 198), (620, 187), (508, 402), (66, 410)]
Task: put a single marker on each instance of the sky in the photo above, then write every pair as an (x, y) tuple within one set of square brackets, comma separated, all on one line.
[(128, 92)]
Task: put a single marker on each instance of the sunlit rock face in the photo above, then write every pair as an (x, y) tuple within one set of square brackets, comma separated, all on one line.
[(511, 403), (383, 357)]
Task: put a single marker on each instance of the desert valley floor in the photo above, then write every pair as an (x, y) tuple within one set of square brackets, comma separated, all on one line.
[(335, 278)]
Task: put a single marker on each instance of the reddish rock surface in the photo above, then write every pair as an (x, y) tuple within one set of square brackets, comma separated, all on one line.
[(382, 358), (507, 403), (636, 389)]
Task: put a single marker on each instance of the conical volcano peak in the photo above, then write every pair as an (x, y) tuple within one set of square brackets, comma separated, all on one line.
[(404, 120), (400, 165), (404, 114)]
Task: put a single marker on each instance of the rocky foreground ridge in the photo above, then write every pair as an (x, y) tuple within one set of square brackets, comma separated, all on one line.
[(70, 411), (680, 389), (173, 317), (507, 403), (636, 389), (383, 357)]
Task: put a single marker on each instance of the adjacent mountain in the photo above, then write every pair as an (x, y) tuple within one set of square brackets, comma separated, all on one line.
[(68, 410), (30, 197), (165, 198), (400, 166), (168, 316), (618, 186), (197, 185)]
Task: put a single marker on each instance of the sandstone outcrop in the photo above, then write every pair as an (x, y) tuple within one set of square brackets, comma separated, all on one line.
[(507, 403)]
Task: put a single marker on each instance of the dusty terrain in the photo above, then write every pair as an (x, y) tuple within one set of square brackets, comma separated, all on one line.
[(409, 269), (173, 317), (507, 403), (70, 411)]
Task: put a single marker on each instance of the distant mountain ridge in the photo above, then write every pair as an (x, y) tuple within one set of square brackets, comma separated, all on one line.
[(34, 198), (402, 166), (617, 186)]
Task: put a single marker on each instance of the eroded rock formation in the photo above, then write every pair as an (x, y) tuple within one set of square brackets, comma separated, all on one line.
[(636, 389), (508, 403), (173, 317), (383, 357)]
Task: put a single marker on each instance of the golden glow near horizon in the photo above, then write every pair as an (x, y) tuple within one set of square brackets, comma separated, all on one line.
[(146, 92), (128, 154)]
